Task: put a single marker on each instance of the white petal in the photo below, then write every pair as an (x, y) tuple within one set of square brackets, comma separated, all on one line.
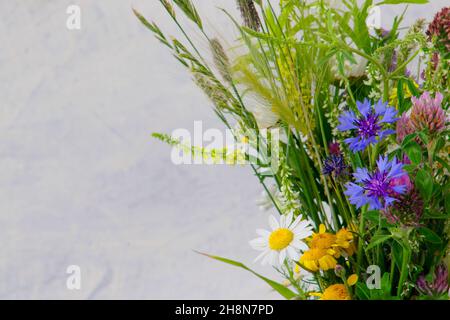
[(263, 233), (273, 257), (293, 254), (261, 255), (302, 234), (266, 258), (299, 245), (282, 256), (283, 221), (273, 223), (288, 220), (305, 224), (258, 243), (296, 222)]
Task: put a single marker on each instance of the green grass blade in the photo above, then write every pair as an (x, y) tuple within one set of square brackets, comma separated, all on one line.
[(281, 289)]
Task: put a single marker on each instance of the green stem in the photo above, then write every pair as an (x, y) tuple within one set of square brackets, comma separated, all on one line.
[(361, 238), (404, 271)]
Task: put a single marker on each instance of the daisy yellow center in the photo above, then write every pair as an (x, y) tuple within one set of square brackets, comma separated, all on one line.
[(280, 239)]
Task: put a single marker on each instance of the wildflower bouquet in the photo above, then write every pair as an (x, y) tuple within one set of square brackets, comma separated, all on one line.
[(345, 124)]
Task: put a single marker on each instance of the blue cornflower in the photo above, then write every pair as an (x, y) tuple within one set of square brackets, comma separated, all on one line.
[(369, 125), (379, 188), (334, 165)]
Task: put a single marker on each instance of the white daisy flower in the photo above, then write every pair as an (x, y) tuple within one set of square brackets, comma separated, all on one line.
[(285, 240)]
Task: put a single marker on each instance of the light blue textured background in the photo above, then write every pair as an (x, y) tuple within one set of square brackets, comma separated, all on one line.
[(83, 183)]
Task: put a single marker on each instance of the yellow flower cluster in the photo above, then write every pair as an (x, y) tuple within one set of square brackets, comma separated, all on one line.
[(337, 291), (334, 292), (393, 99), (325, 248)]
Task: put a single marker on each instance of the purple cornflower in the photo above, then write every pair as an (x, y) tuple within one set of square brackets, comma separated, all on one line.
[(408, 210), (334, 165), (369, 126), (379, 188), (438, 286)]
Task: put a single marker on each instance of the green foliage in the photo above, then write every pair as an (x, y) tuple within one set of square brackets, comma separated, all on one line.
[(189, 10), (281, 289), (297, 64), (403, 1)]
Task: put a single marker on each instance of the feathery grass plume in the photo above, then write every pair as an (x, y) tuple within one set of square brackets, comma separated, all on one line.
[(230, 156), (215, 94), (189, 10), (418, 26), (166, 4), (289, 196), (284, 78), (152, 27), (249, 14), (264, 92), (220, 59), (165, 138)]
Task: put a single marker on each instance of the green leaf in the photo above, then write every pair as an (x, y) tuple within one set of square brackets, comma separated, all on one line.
[(429, 235), (424, 137), (397, 253), (403, 1), (401, 96), (410, 168), (447, 202), (408, 139), (412, 88), (438, 145), (443, 162), (374, 216), (285, 292), (378, 239), (424, 182), (406, 256), (414, 152), (362, 292), (386, 284)]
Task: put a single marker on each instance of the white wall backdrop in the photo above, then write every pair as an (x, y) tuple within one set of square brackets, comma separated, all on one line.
[(83, 183)]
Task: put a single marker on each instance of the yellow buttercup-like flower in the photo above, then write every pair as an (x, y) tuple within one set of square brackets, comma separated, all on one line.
[(316, 259), (334, 292), (344, 241), (337, 291), (352, 280), (322, 239), (393, 99), (325, 248)]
